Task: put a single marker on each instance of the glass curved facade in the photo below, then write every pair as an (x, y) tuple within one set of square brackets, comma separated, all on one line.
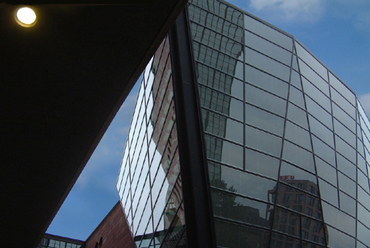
[(286, 141)]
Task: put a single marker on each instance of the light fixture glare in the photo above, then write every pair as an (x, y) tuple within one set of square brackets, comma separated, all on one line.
[(26, 17)]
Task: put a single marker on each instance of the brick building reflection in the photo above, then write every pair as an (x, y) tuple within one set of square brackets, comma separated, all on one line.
[(305, 221)]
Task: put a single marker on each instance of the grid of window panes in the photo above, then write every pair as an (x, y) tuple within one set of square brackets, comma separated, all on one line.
[(287, 142), (149, 182), (59, 242)]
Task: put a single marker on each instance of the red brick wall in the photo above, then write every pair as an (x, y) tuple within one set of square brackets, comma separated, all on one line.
[(113, 230)]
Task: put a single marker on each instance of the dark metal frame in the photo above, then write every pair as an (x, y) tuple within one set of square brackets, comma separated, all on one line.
[(194, 170)]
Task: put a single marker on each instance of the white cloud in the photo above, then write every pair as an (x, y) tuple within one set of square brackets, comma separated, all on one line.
[(291, 10), (365, 103)]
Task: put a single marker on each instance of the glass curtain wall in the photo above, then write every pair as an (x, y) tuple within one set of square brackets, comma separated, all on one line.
[(149, 181), (287, 142)]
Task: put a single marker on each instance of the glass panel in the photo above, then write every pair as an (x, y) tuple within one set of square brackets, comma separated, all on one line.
[(363, 215), (346, 150), (340, 220), (316, 95), (298, 156), (318, 112), (344, 133), (344, 118), (265, 100), (326, 171), (222, 126), (347, 204), (346, 167), (319, 130), (224, 151), (343, 103), (311, 61), (286, 222), (297, 135), (262, 141), (221, 103), (267, 32), (260, 163), (339, 239), (268, 48), (233, 235), (363, 234), (313, 77), (298, 178), (346, 185), (296, 97), (363, 197), (219, 81), (328, 193), (323, 151), (230, 206), (343, 90), (279, 241), (244, 183), (265, 81), (216, 40), (363, 181), (297, 115), (264, 120), (267, 64), (295, 77)]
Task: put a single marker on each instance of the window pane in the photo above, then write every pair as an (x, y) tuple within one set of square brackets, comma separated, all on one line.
[(260, 163), (298, 156), (262, 141)]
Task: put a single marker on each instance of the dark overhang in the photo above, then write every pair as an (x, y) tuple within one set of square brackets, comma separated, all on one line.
[(62, 82)]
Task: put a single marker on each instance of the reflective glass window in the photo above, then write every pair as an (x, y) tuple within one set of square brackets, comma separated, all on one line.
[(230, 234), (338, 219), (344, 118), (344, 133), (311, 61), (319, 130), (326, 171), (230, 206), (346, 150), (267, 64), (346, 185), (267, 32), (363, 198), (265, 100), (297, 135), (328, 193), (262, 141), (295, 77), (222, 126), (220, 81), (343, 103), (316, 95), (318, 112), (339, 239), (286, 222), (261, 163), (297, 116), (300, 178), (265, 81), (224, 151), (313, 77), (247, 184), (342, 89), (264, 120), (322, 150), (363, 234), (296, 97), (268, 48), (298, 156), (347, 204)]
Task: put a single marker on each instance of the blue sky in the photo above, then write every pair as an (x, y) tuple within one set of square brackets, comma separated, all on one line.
[(336, 31)]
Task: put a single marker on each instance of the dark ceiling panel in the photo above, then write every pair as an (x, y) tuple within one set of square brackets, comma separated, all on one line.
[(62, 81)]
